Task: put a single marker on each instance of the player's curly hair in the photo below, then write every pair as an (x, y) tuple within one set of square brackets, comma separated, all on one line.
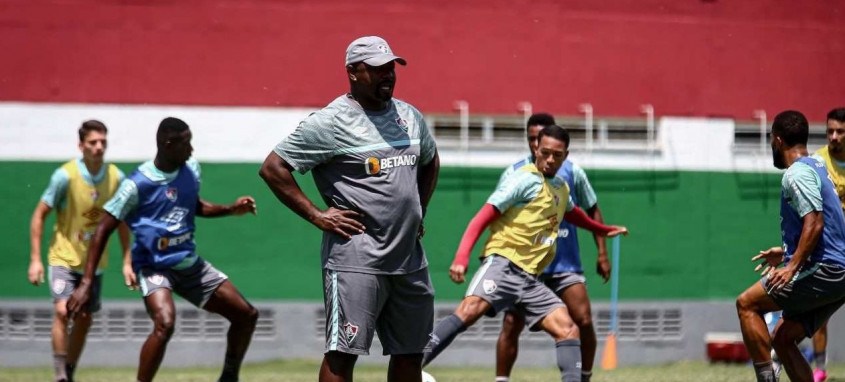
[(792, 127)]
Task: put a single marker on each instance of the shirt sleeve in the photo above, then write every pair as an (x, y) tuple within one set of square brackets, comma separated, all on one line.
[(427, 145), (583, 189), (124, 201), (517, 189), (311, 144), (54, 195), (802, 187), (194, 166)]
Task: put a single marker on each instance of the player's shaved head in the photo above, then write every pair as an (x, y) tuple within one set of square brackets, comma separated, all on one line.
[(89, 126), (169, 127), (792, 127)]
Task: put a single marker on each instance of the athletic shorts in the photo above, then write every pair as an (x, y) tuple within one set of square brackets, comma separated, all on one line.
[(195, 283), (400, 308), (812, 297), (557, 282), (63, 281), (505, 286)]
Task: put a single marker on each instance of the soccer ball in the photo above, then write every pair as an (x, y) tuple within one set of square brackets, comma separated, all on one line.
[(426, 377)]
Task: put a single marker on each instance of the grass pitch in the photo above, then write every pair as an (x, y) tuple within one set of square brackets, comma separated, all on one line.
[(302, 371)]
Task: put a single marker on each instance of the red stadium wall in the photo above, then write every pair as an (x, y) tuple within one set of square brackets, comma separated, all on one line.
[(703, 58)]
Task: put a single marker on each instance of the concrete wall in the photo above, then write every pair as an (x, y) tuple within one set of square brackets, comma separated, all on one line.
[(650, 333)]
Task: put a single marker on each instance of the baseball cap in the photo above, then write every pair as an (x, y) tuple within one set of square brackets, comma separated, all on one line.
[(372, 50)]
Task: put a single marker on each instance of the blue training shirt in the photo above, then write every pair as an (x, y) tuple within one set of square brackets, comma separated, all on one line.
[(159, 209), (804, 183)]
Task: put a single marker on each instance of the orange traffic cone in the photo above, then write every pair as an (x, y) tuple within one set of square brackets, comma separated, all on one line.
[(608, 357)]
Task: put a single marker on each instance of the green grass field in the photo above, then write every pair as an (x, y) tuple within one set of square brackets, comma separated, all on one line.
[(296, 371)]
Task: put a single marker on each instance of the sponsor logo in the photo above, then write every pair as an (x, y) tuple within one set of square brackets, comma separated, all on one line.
[(563, 232), (164, 242), (384, 49), (175, 216), (84, 236), (373, 165), (171, 193), (489, 286), (350, 331), (59, 286)]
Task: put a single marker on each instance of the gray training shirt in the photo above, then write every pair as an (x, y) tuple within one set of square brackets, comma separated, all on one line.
[(367, 162)]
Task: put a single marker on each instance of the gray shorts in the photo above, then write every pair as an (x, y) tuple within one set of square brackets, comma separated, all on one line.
[(505, 286), (557, 282), (812, 297), (63, 281), (195, 283), (400, 308)]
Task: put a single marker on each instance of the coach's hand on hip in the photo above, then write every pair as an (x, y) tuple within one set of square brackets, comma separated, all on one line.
[(342, 222)]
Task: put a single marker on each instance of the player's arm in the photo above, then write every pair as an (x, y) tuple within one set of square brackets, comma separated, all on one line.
[(36, 229), (128, 274), (81, 296), (602, 263), (427, 180), (803, 189), (578, 217), (278, 175), (242, 205), (486, 215)]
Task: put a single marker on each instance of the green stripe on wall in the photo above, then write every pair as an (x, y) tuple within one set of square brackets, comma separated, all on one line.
[(692, 233)]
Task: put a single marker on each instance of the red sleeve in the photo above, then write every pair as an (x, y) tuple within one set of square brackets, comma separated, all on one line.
[(476, 226), (578, 217)]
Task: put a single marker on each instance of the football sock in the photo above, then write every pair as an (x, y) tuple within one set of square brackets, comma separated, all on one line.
[(569, 360), (764, 371), (503, 379), (586, 375), (820, 359), (446, 331), (69, 370), (59, 362)]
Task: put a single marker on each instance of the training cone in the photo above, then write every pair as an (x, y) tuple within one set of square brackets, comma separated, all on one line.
[(608, 357)]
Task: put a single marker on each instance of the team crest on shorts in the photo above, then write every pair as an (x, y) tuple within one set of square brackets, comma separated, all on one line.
[(171, 193), (59, 286), (489, 286), (156, 279), (350, 331)]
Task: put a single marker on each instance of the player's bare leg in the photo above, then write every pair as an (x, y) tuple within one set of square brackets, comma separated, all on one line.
[(163, 313), (751, 305), (76, 341), (578, 304), (507, 347), (787, 335), (468, 312), (405, 367), (563, 330), (229, 303), (338, 367), (59, 338)]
